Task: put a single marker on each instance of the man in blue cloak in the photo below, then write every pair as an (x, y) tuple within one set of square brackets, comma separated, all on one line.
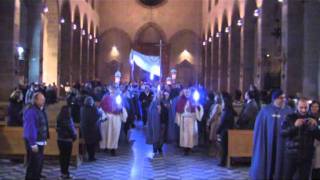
[(268, 145)]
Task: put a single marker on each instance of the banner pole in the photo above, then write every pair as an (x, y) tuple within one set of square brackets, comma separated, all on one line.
[(160, 60)]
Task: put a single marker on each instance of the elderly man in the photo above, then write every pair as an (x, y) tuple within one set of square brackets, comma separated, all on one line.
[(35, 126), (268, 145), (299, 130)]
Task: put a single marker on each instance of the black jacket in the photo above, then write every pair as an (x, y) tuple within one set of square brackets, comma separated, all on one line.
[(65, 126), (89, 116), (299, 140), (227, 121)]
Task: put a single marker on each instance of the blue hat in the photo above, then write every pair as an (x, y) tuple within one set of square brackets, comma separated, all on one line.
[(276, 93)]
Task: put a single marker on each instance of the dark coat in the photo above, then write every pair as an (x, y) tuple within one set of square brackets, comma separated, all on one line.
[(89, 116), (299, 140), (65, 126), (15, 113), (227, 121), (248, 115)]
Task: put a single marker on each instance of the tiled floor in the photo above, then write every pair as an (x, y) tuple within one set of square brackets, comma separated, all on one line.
[(134, 162)]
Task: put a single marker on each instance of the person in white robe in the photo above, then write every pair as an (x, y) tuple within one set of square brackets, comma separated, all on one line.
[(115, 115), (187, 114)]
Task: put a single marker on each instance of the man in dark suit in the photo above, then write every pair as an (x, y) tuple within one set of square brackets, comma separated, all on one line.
[(249, 112), (145, 100)]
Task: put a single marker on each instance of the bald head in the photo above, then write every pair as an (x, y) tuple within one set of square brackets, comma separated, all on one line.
[(302, 106), (38, 99)]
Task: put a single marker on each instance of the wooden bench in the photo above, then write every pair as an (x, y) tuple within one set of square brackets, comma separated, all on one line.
[(240, 143), (12, 144)]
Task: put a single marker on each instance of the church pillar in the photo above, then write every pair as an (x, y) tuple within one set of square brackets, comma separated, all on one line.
[(311, 52), (292, 43)]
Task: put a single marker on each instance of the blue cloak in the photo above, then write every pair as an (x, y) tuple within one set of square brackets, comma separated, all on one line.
[(173, 129), (268, 145), (153, 134)]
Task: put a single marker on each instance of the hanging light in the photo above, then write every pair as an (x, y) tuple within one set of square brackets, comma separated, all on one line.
[(210, 39), (204, 43), (240, 22), (96, 40), (90, 36), (74, 26), (83, 32), (257, 12), (62, 20), (45, 9), (227, 29), (218, 34)]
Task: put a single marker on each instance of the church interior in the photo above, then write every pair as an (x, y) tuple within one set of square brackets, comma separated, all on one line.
[(214, 45)]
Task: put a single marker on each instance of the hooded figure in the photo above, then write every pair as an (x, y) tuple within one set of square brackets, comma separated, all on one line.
[(268, 145)]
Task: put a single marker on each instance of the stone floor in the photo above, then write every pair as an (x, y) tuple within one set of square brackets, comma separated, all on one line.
[(134, 161)]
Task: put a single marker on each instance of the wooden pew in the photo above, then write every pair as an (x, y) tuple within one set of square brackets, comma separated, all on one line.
[(12, 144), (240, 143)]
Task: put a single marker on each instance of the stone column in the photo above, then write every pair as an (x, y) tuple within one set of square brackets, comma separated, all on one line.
[(7, 48), (311, 50), (292, 43)]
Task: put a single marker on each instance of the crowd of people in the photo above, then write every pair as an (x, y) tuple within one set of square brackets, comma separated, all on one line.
[(285, 129)]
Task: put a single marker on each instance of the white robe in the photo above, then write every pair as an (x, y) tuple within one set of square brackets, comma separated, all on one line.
[(187, 121), (110, 129)]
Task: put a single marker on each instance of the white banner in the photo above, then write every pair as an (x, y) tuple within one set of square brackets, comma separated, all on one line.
[(150, 64)]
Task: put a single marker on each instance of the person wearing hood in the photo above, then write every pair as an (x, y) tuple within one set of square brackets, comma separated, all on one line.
[(267, 160), (89, 116)]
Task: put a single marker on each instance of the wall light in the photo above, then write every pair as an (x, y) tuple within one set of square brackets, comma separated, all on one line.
[(240, 22), (62, 20), (257, 12), (227, 29), (96, 40), (218, 34), (74, 26), (204, 43), (210, 39), (83, 32)]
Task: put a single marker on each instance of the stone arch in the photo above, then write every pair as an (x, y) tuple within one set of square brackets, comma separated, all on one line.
[(250, 43), (84, 52), (208, 58), (185, 46), (150, 26), (185, 73), (215, 57), (91, 52), (76, 50), (224, 49), (65, 47), (114, 46), (234, 50)]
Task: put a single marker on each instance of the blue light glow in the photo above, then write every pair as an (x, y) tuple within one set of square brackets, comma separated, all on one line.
[(196, 95), (118, 100)]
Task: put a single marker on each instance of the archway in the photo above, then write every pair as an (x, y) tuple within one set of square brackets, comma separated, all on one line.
[(84, 52), (234, 48), (250, 43), (65, 44), (224, 49), (76, 50), (147, 41)]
